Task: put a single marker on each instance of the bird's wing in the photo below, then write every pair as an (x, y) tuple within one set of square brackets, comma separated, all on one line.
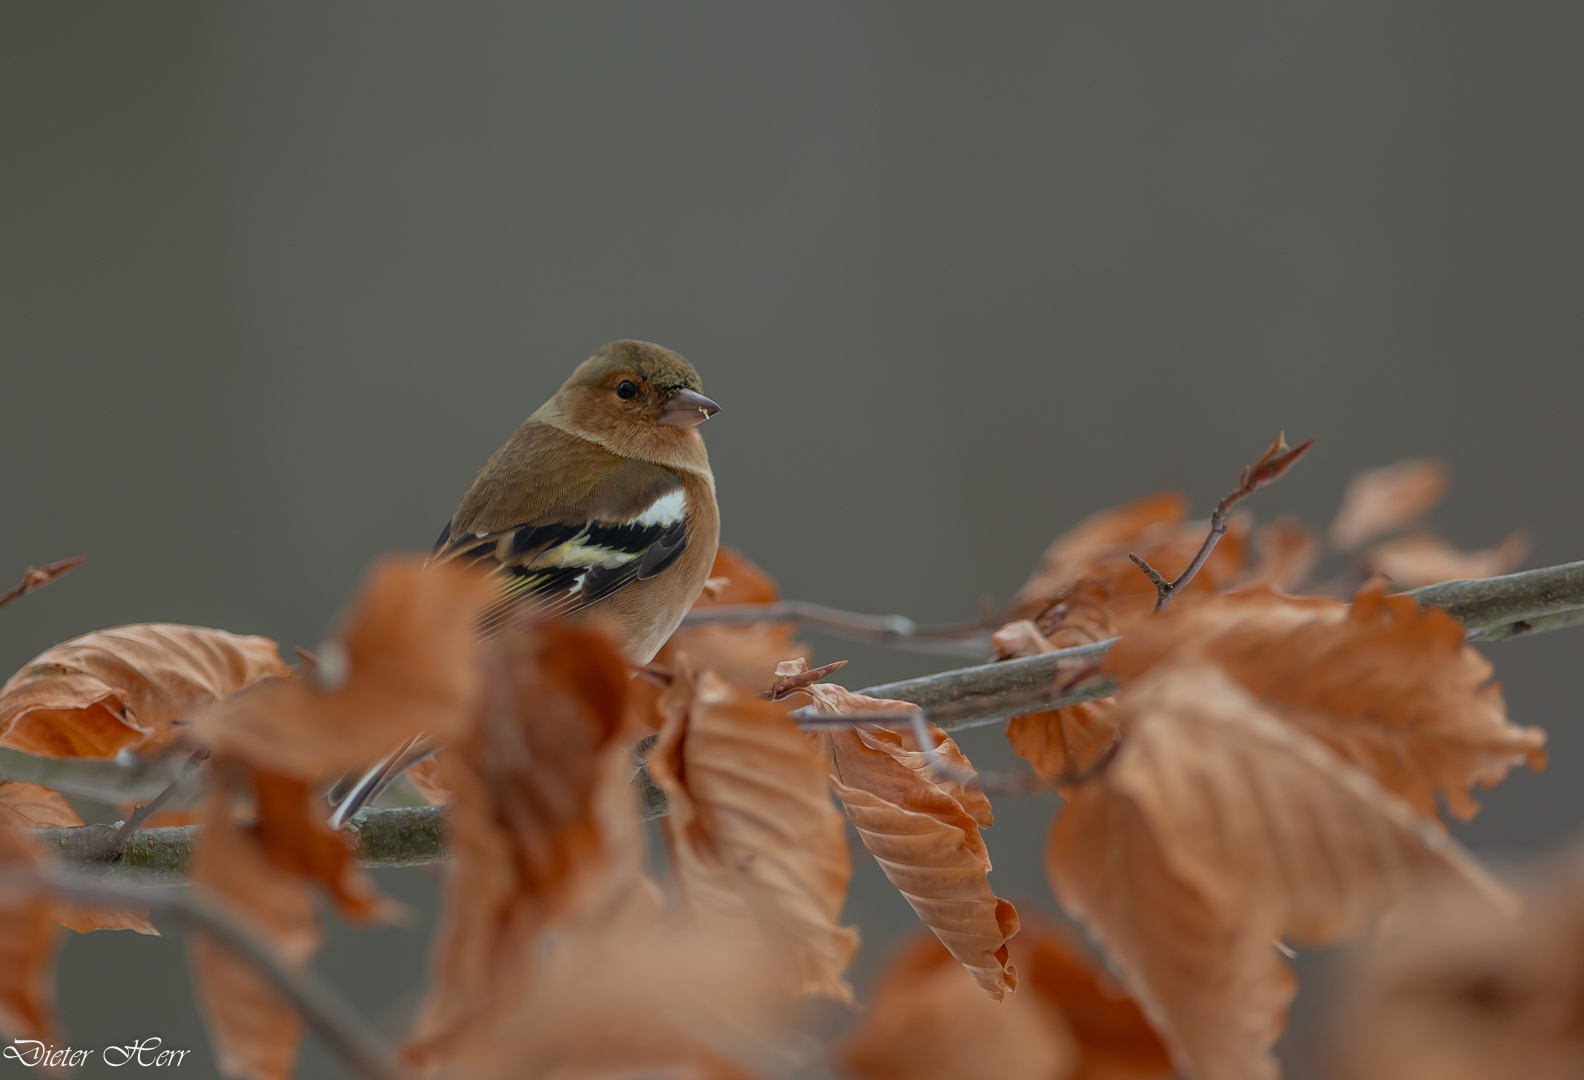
[(566, 523)]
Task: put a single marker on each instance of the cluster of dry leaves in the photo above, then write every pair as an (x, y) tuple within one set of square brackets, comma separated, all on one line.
[(1269, 771)]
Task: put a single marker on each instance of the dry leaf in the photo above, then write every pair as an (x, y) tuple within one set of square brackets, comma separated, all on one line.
[(1218, 830), (1097, 550), (1392, 689), (1445, 992), (292, 832), (928, 1021), (403, 664), (748, 654), (1059, 743), (254, 1031), (924, 833), (522, 830), (113, 689), (1285, 553), (1113, 1039), (1382, 501), (28, 940), (425, 778), (33, 806), (1414, 561), (753, 836)]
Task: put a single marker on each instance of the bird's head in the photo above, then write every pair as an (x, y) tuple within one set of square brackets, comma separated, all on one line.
[(639, 400)]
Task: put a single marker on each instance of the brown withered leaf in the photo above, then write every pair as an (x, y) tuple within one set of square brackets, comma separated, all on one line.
[(1058, 743), (794, 676), (425, 778), (255, 1032), (1379, 502), (34, 806), (1447, 993), (1285, 553), (1097, 550), (747, 655), (929, 1022), (1422, 559), (28, 940), (1392, 689), (753, 837), (924, 833), (112, 689), (522, 829), (292, 833), (403, 664), (1218, 830), (37, 577), (1114, 1041)]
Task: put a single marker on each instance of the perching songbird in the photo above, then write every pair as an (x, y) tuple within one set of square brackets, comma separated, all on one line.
[(601, 505)]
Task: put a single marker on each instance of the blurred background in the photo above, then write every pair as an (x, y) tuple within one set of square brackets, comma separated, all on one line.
[(276, 279)]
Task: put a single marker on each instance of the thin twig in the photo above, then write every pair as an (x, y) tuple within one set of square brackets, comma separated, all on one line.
[(144, 811), (1269, 468), (201, 909), (38, 577), (897, 631)]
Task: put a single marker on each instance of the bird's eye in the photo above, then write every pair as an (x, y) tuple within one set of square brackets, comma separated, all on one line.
[(625, 389)]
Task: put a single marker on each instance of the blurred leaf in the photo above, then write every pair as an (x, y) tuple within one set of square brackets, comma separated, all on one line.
[(1413, 561), (28, 940), (1379, 502), (748, 654)]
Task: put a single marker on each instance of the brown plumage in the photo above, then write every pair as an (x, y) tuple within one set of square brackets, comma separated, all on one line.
[(602, 504)]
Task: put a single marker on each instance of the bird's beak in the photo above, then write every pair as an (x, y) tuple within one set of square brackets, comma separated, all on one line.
[(687, 409)]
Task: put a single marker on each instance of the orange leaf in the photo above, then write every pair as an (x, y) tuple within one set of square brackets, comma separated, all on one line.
[(752, 833), (924, 833), (403, 664), (254, 1031), (1392, 689), (748, 654), (28, 940), (292, 833), (928, 1022), (1098, 548), (523, 835), (1382, 501), (98, 694), (1413, 561), (1059, 743), (33, 806), (1218, 830), (1286, 553)]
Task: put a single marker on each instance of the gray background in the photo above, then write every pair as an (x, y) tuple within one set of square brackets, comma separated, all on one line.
[(277, 278)]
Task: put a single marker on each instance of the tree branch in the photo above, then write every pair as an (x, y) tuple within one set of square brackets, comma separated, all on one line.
[(40, 576), (966, 639), (200, 909)]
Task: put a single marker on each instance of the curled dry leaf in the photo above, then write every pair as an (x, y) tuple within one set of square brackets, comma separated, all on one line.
[(924, 833), (524, 838), (1218, 830), (403, 664), (929, 1022), (1066, 742), (1379, 502), (33, 806), (1285, 553), (1414, 561), (1097, 550), (124, 688), (1392, 689), (793, 676), (753, 836), (28, 940), (747, 655), (255, 1032), (1447, 993)]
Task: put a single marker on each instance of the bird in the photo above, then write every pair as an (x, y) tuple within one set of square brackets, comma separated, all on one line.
[(600, 506)]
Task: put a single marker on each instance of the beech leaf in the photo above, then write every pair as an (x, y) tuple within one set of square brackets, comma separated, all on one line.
[(1414, 561), (28, 940), (1285, 553), (1058, 743), (747, 654), (1392, 689), (753, 836), (1382, 501), (124, 688), (403, 664), (1218, 830)]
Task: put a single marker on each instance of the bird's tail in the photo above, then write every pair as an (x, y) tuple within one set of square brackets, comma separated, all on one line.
[(354, 792)]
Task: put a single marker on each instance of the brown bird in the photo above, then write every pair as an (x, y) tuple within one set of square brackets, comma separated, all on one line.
[(602, 505)]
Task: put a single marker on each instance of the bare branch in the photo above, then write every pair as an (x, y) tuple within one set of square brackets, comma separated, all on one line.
[(200, 909), (38, 577), (143, 811), (967, 639), (1272, 466)]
